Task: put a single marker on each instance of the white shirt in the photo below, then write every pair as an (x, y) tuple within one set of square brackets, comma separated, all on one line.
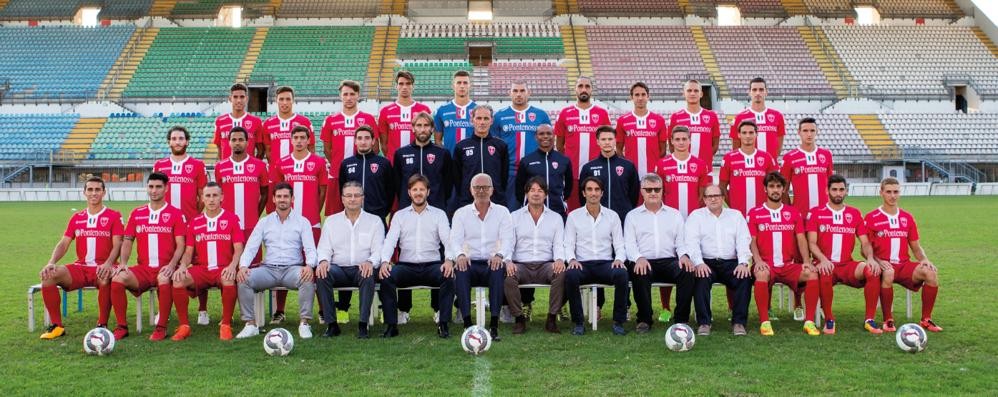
[(418, 235), (599, 239), (654, 235), (346, 243), (481, 239), (542, 241), (717, 237), (285, 241)]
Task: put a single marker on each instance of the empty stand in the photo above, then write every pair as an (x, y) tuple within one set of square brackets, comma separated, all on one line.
[(315, 59), (630, 8), (950, 135), (328, 9), (511, 40), (545, 79), (622, 55), (34, 9), (918, 9), (34, 136), (433, 79)]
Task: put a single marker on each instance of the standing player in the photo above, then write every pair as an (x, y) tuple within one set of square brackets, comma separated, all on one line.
[(704, 125), (642, 135), (618, 175), (217, 239), (481, 153), (743, 170), (308, 175), (374, 174), (832, 230), (780, 254), (338, 138), (239, 118), (453, 119), (892, 232), (158, 229), (807, 168), (576, 131), (97, 231), (278, 128), (550, 165), (395, 119), (516, 124), (770, 121), (244, 180), (424, 158)]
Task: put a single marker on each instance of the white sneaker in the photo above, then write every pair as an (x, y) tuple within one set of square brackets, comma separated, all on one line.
[(436, 317), (248, 331), (203, 318), (304, 331), (505, 316), (403, 317), (799, 314)]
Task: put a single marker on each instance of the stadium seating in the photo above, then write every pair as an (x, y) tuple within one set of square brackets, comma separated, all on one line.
[(34, 9), (328, 9), (545, 79), (950, 135), (918, 9), (628, 8), (521, 8), (912, 61), (418, 41), (33, 137), (749, 8), (621, 55), (830, 8), (58, 62), (314, 59), (433, 79), (210, 8), (777, 54), (190, 62)]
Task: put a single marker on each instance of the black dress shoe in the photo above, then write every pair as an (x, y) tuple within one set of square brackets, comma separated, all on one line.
[(579, 330), (443, 330), (332, 330), (494, 333), (362, 332), (391, 331)]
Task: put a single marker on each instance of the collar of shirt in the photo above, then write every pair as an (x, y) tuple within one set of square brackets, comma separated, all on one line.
[(540, 241)]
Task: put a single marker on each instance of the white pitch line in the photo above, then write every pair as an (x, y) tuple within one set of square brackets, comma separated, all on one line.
[(483, 377)]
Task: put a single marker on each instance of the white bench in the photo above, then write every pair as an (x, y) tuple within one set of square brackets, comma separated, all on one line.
[(589, 298), (819, 314), (32, 290)]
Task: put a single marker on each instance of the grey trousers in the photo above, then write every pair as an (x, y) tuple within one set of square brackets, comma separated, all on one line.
[(270, 276), (535, 273)]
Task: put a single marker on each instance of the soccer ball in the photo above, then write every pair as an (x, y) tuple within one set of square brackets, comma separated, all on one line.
[(476, 340), (278, 342), (98, 342), (911, 338), (680, 338)]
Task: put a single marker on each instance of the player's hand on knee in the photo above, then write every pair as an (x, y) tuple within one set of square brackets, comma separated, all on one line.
[(180, 275), (929, 265), (447, 269), (462, 263), (242, 275), (874, 269), (322, 271), (229, 273), (760, 266), (742, 270), (385, 271), (306, 275), (617, 264), (825, 267), (574, 264), (366, 269), (559, 266), (47, 271), (702, 271)]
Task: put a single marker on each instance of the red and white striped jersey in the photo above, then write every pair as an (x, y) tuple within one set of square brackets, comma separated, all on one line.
[(641, 137), (890, 235), (771, 127), (337, 135), (704, 127), (837, 231), (305, 177), (578, 128), (277, 135), (241, 182), (396, 121), (187, 177), (94, 235), (682, 181), (808, 174), (225, 123), (214, 239), (744, 174), (776, 233), (155, 234)]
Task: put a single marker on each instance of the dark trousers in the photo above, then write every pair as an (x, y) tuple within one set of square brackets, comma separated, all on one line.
[(664, 270), (340, 277), (478, 275), (723, 271), (597, 272), (410, 275)]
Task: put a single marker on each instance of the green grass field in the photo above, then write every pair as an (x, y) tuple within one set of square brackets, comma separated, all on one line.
[(959, 235)]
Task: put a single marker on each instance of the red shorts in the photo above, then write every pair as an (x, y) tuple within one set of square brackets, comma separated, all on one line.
[(845, 273), (82, 275), (204, 279), (904, 274), (788, 274), (146, 277)]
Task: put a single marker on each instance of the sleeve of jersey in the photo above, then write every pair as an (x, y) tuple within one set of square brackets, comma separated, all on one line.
[(70, 229), (238, 237), (261, 134), (772, 163), (264, 136), (265, 174), (861, 229), (799, 222), (323, 171), (382, 123), (912, 229), (621, 132), (787, 168), (275, 173), (831, 163), (724, 175), (130, 229), (715, 127), (217, 136), (180, 227), (374, 126), (733, 132), (326, 134), (753, 227), (606, 118), (559, 126), (663, 131), (311, 135), (118, 227), (189, 237), (811, 220), (438, 123), (202, 176), (705, 178), (781, 126)]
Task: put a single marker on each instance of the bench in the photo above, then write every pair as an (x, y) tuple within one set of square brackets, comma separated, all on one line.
[(32, 290)]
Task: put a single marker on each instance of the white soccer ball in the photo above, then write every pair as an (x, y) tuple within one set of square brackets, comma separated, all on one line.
[(476, 340), (911, 338), (278, 342), (98, 342), (680, 338)]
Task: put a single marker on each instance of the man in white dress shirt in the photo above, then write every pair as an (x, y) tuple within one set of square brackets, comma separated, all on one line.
[(418, 231), (594, 246), (481, 239), (538, 255), (653, 239), (717, 242), (288, 262), (349, 254)]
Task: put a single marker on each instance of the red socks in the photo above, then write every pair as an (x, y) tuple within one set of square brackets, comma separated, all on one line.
[(53, 303), (165, 301), (762, 300), (826, 287), (871, 290), (229, 296), (665, 294), (120, 303), (180, 301), (929, 293), (103, 303), (811, 292), (887, 302), (282, 297)]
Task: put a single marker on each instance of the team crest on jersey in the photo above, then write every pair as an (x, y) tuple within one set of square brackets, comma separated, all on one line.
[(103, 222), (904, 222), (251, 168), (652, 123), (189, 168), (554, 164), (822, 228), (821, 158), (771, 118), (532, 117), (596, 118), (737, 172), (786, 216), (668, 178), (197, 238), (693, 167), (374, 168), (620, 170), (798, 170), (848, 218), (759, 160), (880, 233), (310, 166), (762, 227), (430, 158), (492, 150), (165, 217), (706, 118), (223, 224)]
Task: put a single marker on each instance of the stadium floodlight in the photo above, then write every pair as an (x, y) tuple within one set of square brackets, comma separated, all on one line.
[(480, 11)]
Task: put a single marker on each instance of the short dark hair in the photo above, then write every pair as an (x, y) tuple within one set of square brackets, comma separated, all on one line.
[(536, 180), (774, 176), (351, 84), (419, 178), (95, 179), (588, 179), (158, 176), (640, 85), (211, 184), (238, 129), (605, 128), (364, 127), (405, 73), (238, 87), (282, 89), (755, 127), (461, 73), (169, 133), (836, 178), (283, 186), (680, 128), (757, 80), (807, 120), (308, 132)]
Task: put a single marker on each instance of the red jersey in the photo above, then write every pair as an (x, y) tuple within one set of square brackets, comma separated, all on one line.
[(776, 233), (641, 137), (155, 232), (890, 235), (213, 239), (396, 121), (241, 182), (837, 231), (578, 128), (704, 127), (337, 134), (277, 135), (808, 174), (771, 128), (225, 123), (682, 181), (305, 176), (744, 174), (94, 235), (186, 179)]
